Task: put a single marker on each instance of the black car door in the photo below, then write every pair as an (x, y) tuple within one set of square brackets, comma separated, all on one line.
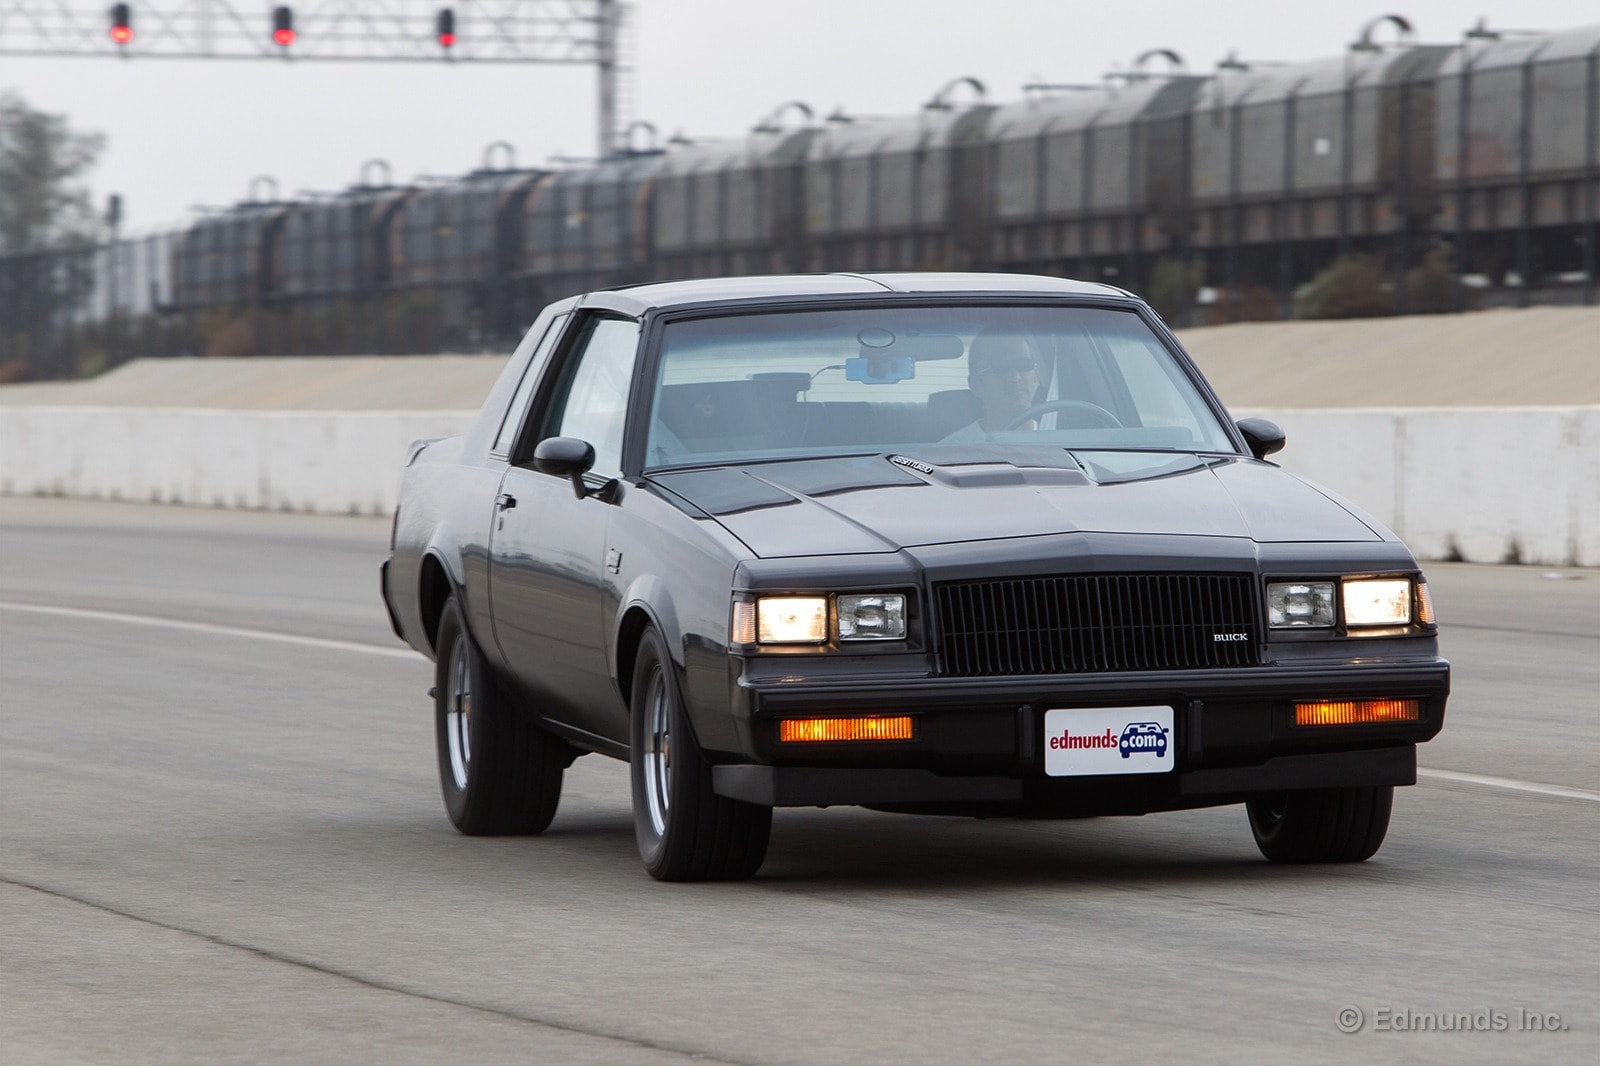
[(548, 547)]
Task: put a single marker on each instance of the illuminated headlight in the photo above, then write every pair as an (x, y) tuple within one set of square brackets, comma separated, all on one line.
[(1300, 604), (1377, 602), (788, 619), (872, 617), (792, 619)]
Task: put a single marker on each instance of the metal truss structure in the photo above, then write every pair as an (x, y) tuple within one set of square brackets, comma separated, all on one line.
[(574, 32)]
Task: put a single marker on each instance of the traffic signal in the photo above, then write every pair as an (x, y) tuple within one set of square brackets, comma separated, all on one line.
[(283, 34), (446, 27), (121, 23)]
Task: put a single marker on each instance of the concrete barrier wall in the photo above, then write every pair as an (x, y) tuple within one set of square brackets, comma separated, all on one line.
[(334, 462), (1479, 484), (1486, 485)]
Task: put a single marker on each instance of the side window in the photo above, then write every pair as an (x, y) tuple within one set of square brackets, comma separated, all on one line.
[(595, 401), (530, 377)]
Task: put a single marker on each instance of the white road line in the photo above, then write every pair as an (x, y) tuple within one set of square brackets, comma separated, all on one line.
[(1508, 783), (215, 630)]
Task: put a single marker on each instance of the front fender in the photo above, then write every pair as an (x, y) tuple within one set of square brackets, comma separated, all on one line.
[(698, 647), (646, 601)]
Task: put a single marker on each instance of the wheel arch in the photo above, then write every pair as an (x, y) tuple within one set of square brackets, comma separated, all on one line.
[(435, 585), (647, 605)]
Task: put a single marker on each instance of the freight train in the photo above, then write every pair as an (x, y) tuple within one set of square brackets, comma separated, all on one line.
[(1252, 178)]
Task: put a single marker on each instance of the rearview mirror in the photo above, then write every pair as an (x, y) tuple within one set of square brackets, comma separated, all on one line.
[(876, 342)]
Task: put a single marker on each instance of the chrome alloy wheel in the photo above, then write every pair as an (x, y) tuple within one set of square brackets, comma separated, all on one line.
[(458, 714), (1270, 810), (658, 752)]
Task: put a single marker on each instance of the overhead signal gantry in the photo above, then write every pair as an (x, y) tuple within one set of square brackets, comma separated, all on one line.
[(569, 32)]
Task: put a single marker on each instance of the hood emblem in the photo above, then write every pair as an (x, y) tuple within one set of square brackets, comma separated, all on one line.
[(915, 464)]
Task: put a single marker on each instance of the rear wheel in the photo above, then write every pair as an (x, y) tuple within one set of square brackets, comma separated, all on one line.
[(499, 771), (1321, 825), (686, 832)]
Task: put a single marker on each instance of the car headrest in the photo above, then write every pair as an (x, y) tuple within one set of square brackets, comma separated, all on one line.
[(950, 410)]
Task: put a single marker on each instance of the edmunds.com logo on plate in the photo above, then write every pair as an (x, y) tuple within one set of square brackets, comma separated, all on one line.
[(1107, 740)]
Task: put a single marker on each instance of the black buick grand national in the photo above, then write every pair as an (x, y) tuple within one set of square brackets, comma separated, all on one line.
[(956, 544)]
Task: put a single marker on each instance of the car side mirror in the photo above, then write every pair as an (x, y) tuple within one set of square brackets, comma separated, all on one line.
[(1262, 435), (566, 457)]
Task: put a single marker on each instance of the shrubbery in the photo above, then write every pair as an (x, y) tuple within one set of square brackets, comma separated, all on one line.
[(1360, 286), (1352, 286), (1173, 285), (1431, 286)]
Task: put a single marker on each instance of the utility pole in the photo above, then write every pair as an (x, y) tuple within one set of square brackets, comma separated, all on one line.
[(606, 68), (113, 320)]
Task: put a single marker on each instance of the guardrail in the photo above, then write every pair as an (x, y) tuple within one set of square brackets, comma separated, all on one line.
[(1486, 485)]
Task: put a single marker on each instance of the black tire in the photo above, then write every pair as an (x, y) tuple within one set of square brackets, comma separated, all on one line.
[(1321, 825), (499, 771), (686, 832)]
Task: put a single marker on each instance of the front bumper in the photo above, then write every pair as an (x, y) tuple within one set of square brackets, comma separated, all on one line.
[(978, 744), (803, 786)]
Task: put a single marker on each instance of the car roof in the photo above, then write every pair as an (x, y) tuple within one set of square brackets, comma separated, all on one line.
[(641, 298)]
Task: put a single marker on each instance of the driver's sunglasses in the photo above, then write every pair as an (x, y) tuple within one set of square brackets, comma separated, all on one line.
[(1019, 367)]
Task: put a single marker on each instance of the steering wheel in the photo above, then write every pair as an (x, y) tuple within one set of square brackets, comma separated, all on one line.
[(1095, 416)]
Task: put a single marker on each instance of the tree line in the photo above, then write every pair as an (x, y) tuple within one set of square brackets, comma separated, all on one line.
[(44, 204)]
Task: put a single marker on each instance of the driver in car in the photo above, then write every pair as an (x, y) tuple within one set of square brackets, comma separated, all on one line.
[(1003, 373)]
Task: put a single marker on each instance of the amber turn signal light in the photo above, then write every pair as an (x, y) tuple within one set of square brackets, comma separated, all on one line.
[(1357, 712), (829, 729)]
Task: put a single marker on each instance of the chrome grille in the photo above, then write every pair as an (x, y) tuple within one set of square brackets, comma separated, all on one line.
[(1096, 622)]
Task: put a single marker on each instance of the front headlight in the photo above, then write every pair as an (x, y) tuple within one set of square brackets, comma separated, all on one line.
[(791, 619), (1377, 602), (1363, 603), (872, 617), (1300, 604)]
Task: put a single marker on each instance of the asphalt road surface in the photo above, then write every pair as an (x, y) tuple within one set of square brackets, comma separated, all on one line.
[(221, 840)]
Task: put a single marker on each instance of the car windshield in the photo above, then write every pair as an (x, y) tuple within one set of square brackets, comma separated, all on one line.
[(794, 384)]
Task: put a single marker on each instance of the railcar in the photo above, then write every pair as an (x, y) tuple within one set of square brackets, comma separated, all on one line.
[(731, 207), (337, 249), (228, 259), (585, 228), (1517, 141), (898, 194), (1295, 165), (459, 240), (131, 279), (1085, 182)]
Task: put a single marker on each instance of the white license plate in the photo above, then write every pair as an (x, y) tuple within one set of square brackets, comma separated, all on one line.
[(1108, 740)]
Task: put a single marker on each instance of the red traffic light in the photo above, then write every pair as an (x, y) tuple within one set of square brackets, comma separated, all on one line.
[(121, 23), (445, 27), (283, 34)]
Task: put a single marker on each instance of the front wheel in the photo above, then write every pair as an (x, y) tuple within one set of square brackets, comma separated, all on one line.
[(686, 832), (1321, 824), (499, 771)]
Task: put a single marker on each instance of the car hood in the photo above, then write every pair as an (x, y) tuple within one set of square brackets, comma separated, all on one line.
[(860, 504)]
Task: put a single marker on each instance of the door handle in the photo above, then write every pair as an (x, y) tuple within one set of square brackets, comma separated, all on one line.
[(505, 501)]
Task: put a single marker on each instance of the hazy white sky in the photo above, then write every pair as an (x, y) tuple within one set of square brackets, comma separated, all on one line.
[(184, 133)]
